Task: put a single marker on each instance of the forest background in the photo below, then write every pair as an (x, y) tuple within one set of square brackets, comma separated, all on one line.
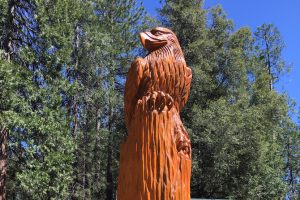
[(63, 66)]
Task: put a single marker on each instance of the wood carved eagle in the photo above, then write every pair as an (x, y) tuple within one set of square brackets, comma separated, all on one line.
[(157, 148), (162, 72)]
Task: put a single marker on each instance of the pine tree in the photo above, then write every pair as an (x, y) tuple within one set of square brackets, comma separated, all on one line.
[(62, 74), (291, 152), (120, 18), (14, 26), (40, 149), (106, 46), (235, 121), (269, 46)]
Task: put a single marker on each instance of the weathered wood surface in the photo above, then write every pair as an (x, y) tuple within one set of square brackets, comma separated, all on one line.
[(155, 161)]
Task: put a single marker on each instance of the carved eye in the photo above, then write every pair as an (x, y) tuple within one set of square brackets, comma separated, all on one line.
[(156, 32)]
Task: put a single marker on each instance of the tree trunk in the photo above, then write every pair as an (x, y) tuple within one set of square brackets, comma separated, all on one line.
[(3, 162), (76, 64), (10, 30), (109, 175), (271, 77), (8, 50)]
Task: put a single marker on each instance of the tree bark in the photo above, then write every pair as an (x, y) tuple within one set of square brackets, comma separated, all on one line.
[(9, 29), (109, 175), (269, 66), (8, 51), (3, 162)]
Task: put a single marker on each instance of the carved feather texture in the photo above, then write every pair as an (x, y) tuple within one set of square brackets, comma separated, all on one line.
[(163, 70), (155, 158)]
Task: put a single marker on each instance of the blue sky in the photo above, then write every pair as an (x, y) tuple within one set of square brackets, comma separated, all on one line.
[(252, 13)]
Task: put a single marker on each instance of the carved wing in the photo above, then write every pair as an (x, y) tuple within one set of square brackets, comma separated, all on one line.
[(133, 80), (186, 87)]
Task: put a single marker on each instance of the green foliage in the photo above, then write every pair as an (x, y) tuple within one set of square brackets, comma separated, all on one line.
[(40, 148), (61, 97), (269, 46), (235, 121)]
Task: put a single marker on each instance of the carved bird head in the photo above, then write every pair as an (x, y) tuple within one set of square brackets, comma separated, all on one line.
[(158, 38)]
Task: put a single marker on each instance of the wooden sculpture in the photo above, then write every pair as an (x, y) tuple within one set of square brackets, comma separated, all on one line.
[(155, 161)]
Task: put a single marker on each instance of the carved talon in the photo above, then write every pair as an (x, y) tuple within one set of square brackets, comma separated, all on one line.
[(146, 102), (161, 101), (169, 101), (153, 101), (182, 141), (157, 101), (184, 146)]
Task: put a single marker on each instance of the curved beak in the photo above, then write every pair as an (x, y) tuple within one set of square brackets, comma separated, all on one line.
[(152, 42)]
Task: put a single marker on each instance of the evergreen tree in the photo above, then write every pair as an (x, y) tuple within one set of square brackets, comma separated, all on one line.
[(235, 121), (40, 149), (291, 144), (14, 27), (269, 47), (106, 45), (62, 73)]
